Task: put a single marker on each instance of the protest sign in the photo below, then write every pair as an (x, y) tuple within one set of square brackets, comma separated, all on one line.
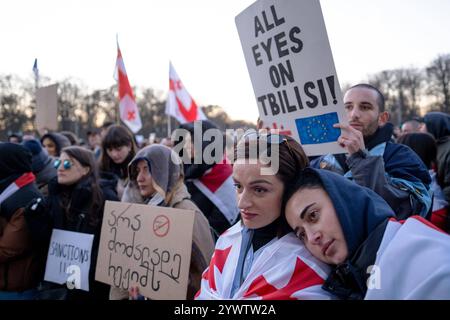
[(291, 66), (47, 108), (146, 246), (69, 259)]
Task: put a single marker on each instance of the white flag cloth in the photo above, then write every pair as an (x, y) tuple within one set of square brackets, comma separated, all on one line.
[(128, 109), (284, 270), (413, 262), (179, 103)]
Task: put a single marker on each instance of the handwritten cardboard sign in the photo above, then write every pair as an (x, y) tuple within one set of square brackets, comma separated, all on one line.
[(146, 246), (69, 259), (291, 66)]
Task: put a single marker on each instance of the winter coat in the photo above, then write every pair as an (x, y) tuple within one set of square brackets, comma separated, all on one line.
[(77, 220)]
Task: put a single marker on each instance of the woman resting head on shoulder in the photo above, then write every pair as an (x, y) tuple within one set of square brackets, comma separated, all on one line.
[(374, 256), (255, 257)]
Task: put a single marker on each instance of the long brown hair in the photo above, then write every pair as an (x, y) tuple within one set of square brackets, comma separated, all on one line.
[(87, 159), (117, 136)]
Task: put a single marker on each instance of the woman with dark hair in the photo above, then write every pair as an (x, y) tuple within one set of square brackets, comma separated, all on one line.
[(75, 203), (118, 149), (54, 142), (425, 146), (373, 255), (257, 258), (22, 261)]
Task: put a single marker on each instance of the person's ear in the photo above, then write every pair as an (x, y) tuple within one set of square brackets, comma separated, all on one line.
[(383, 118), (85, 170)]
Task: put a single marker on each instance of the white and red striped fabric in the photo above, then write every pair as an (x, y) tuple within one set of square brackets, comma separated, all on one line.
[(413, 262), (284, 270), (218, 186), (180, 104), (20, 182), (128, 109)]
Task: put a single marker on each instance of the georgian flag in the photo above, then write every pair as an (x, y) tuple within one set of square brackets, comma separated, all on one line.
[(180, 104), (20, 182), (284, 270), (218, 186), (128, 109), (413, 262)]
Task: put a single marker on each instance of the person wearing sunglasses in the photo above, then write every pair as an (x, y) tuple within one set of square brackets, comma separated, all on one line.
[(156, 179), (258, 258), (75, 203)]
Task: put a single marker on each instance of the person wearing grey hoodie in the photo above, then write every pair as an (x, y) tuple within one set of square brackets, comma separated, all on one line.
[(54, 142), (156, 178)]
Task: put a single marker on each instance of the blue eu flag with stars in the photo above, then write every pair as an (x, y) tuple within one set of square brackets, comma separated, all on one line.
[(318, 129)]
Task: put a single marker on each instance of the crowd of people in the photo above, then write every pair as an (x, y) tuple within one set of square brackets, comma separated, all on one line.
[(370, 223)]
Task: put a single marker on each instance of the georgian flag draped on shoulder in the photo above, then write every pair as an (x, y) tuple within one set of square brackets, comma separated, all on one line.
[(413, 262), (180, 104), (128, 109), (284, 270)]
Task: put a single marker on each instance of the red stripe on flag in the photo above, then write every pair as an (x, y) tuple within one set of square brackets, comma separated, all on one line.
[(302, 277), (428, 223), (189, 114), (25, 179), (219, 258), (124, 86), (217, 176)]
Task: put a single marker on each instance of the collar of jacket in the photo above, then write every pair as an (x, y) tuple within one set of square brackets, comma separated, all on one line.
[(348, 280), (383, 134)]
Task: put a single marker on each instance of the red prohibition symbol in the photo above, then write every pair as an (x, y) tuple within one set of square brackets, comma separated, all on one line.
[(161, 226)]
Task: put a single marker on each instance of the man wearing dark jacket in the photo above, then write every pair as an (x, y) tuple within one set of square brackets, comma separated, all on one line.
[(393, 171)]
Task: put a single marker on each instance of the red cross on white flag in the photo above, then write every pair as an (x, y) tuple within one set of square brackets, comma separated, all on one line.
[(128, 109), (179, 102)]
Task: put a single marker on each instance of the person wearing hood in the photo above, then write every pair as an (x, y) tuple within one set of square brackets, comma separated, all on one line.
[(258, 258), (156, 179), (41, 165), (438, 124), (54, 142), (209, 182), (22, 261), (373, 255), (393, 171)]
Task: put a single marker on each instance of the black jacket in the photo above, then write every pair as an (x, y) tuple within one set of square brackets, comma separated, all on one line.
[(77, 220)]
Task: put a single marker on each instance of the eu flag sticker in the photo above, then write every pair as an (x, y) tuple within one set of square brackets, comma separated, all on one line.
[(318, 129)]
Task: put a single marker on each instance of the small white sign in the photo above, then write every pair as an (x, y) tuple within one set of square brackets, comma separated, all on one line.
[(289, 59), (69, 259)]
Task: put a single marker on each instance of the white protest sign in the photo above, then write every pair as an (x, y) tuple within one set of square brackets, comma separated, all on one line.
[(146, 246), (69, 259), (291, 66), (47, 108)]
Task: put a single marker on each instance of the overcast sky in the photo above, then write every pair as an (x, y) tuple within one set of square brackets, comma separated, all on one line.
[(78, 39)]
